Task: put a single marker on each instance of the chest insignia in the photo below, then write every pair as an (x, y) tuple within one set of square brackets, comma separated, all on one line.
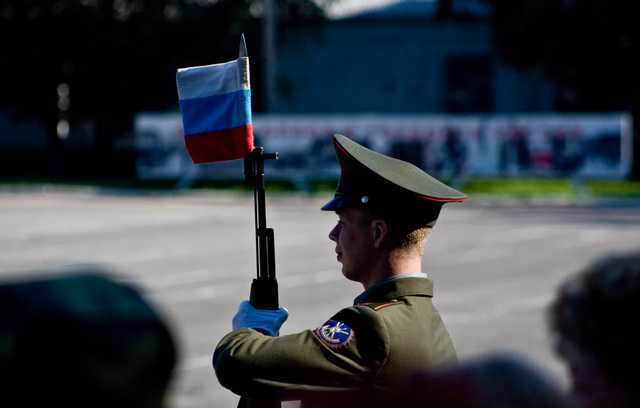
[(335, 334)]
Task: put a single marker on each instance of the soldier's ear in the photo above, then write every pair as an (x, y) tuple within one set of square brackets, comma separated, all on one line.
[(379, 232)]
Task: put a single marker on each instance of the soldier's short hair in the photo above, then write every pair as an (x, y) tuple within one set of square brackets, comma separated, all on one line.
[(405, 230), (596, 309)]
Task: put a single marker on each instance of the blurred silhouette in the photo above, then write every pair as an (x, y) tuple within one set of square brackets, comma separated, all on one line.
[(82, 339), (594, 321), (566, 156), (515, 155), (492, 381), (454, 154)]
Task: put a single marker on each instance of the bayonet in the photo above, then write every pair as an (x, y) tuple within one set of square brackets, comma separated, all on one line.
[(242, 49)]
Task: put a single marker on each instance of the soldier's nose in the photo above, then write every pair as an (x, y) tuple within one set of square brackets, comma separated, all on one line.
[(333, 234)]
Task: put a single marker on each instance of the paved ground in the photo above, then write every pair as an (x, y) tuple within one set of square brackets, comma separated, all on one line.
[(495, 266)]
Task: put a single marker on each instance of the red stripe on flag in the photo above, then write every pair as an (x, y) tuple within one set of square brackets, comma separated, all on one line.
[(228, 144)]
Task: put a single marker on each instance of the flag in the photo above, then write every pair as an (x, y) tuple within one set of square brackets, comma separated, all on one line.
[(215, 101)]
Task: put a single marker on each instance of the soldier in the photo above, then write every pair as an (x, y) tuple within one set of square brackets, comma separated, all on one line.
[(386, 209)]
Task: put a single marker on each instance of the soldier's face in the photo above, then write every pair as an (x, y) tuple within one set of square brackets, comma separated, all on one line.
[(353, 243)]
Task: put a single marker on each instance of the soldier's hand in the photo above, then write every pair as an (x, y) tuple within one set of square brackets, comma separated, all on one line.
[(265, 320)]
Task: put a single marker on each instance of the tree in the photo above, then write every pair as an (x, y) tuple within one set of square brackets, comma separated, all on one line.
[(119, 57), (588, 47)]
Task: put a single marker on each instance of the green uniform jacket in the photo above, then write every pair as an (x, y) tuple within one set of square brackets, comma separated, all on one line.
[(394, 331)]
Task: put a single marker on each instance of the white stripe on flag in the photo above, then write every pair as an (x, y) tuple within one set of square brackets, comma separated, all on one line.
[(210, 80)]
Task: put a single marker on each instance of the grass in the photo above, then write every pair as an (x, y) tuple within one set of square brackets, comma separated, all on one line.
[(521, 188), (552, 188), (614, 188)]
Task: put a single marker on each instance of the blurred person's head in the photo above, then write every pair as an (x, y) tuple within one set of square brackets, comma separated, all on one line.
[(82, 339), (594, 322), (386, 209), (492, 381)]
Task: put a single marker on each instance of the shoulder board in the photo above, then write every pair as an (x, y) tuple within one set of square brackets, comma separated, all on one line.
[(377, 306)]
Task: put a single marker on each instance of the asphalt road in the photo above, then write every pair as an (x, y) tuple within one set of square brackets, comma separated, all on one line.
[(495, 266)]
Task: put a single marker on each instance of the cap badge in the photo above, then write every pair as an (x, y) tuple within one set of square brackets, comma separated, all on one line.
[(335, 334)]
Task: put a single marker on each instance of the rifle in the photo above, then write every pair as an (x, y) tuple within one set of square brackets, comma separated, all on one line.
[(264, 288)]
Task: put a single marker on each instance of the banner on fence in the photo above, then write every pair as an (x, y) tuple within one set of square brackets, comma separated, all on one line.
[(587, 146)]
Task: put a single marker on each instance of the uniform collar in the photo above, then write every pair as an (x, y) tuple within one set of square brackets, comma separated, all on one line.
[(397, 286)]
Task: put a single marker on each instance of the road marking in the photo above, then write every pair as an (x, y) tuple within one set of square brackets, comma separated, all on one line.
[(221, 290), (178, 279), (196, 363), (475, 316)]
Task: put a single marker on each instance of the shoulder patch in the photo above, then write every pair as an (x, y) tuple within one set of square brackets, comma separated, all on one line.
[(378, 306), (335, 334)]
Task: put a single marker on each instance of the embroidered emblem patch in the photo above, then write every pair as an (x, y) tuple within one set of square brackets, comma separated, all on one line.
[(335, 334)]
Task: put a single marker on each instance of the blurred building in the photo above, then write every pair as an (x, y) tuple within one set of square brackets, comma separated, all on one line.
[(403, 57), (440, 99)]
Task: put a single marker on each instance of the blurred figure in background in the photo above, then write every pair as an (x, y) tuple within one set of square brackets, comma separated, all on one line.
[(82, 339), (594, 320), (492, 381)]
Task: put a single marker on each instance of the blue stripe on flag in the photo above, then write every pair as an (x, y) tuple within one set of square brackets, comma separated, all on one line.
[(218, 112)]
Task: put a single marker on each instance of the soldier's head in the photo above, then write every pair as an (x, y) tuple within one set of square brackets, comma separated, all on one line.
[(365, 237), (596, 333), (386, 207)]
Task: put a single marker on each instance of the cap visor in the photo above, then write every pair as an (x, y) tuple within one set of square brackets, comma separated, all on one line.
[(336, 203)]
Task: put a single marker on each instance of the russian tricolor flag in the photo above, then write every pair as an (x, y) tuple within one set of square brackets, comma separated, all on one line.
[(215, 101)]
